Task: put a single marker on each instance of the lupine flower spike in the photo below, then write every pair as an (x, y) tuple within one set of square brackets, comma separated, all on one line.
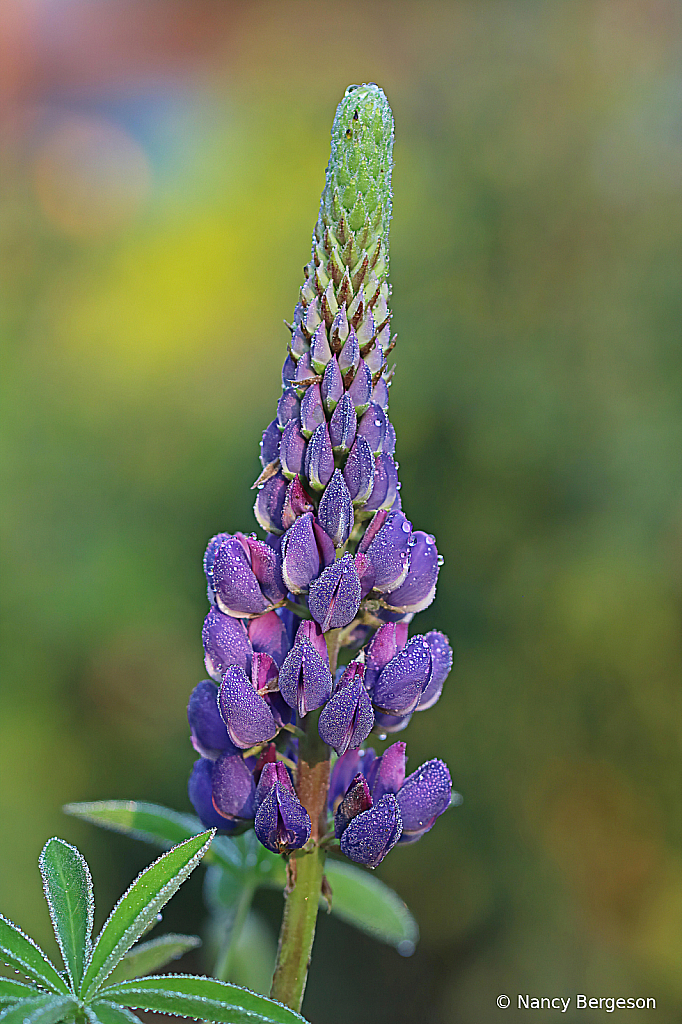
[(340, 566)]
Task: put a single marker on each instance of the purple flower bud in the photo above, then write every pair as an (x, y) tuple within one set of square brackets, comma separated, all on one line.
[(370, 836), (389, 774), (320, 352), (383, 647), (424, 795), (399, 687), (389, 552), (312, 316), (234, 790), (343, 425), (312, 411), (359, 471), (378, 520), (441, 663), (296, 503), (419, 588), (349, 357), (347, 718), (304, 372), (273, 772), (335, 513), (209, 561), (356, 800), (334, 596), (361, 388), (209, 735), (385, 483), (300, 555), (200, 792), (332, 385), (380, 393), (245, 576), (309, 630), (226, 643), (372, 427), (299, 344), (288, 371), (282, 823), (305, 681), (269, 446), (268, 633), (339, 329), (344, 771), (292, 450), (288, 408), (270, 504), (319, 458), (246, 715)]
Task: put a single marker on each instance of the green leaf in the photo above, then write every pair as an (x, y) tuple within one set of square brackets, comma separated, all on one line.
[(149, 956), (206, 998), (362, 900), (68, 891), (20, 952), (138, 907), (153, 823), (12, 991), (45, 1009), (104, 1012)]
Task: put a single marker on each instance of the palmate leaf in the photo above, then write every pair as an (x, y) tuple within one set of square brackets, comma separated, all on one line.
[(138, 907), (12, 991), (153, 823), (21, 953), (104, 1012), (149, 956), (68, 890), (204, 998), (367, 903), (41, 1009)]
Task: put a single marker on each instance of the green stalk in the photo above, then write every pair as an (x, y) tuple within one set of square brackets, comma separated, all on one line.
[(305, 870)]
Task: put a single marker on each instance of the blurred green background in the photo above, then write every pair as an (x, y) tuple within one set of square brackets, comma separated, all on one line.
[(163, 164)]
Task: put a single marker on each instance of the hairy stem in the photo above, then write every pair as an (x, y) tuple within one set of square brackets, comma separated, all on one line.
[(305, 870)]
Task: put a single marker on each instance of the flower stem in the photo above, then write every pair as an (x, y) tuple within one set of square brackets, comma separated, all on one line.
[(305, 870)]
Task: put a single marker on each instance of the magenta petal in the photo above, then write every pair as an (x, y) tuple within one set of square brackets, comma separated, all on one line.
[(273, 771), (309, 630), (268, 633), (245, 713), (234, 790), (346, 767), (400, 684), (296, 503), (423, 797), (441, 663), (378, 520), (334, 596), (226, 643), (370, 836)]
